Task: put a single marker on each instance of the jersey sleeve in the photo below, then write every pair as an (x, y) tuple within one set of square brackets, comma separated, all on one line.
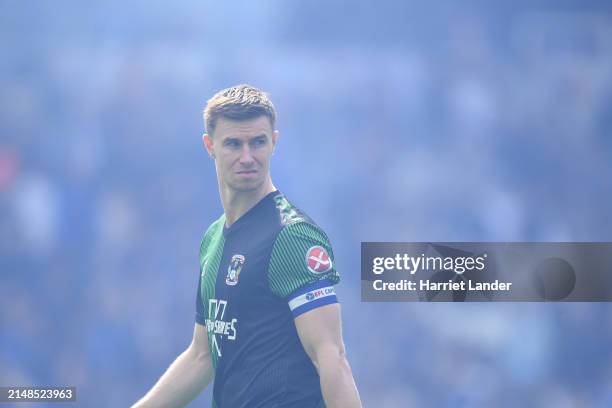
[(302, 268), (200, 316)]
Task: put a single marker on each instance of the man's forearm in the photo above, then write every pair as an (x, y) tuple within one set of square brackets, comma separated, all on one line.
[(186, 377), (337, 383)]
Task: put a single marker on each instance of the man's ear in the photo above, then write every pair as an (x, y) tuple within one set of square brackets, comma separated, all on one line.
[(208, 144), (275, 136)]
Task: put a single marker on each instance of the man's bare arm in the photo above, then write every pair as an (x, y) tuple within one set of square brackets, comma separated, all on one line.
[(321, 334), (186, 377)]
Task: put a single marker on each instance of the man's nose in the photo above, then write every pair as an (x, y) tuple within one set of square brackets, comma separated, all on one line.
[(245, 155)]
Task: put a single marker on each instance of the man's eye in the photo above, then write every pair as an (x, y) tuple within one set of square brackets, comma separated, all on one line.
[(232, 143), (259, 142)]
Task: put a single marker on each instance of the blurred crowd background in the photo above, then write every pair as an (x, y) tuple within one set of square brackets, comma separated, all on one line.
[(399, 121)]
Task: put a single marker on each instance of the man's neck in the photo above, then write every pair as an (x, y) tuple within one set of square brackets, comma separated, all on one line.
[(237, 203)]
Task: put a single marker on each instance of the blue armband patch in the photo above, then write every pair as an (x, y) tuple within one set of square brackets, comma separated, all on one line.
[(311, 296)]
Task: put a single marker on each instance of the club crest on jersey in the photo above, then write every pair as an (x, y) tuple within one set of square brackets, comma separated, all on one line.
[(233, 271), (317, 260)]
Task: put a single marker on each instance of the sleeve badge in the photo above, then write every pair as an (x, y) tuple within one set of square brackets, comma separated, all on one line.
[(318, 260)]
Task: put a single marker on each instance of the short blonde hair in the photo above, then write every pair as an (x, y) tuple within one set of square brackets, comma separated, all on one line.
[(240, 102)]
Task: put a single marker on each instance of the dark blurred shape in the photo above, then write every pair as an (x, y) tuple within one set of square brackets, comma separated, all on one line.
[(554, 279)]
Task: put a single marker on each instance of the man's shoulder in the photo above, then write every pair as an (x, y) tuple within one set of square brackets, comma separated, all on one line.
[(302, 253), (215, 226), (296, 224), (218, 223), (288, 213), (213, 230)]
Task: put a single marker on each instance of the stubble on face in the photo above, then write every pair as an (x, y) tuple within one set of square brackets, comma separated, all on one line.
[(242, 153)]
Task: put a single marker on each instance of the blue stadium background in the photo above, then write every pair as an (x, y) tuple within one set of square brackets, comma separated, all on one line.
[(399, 121)]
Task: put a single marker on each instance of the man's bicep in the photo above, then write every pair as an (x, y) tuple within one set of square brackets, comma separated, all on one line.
[(199, 343), (320, 330)]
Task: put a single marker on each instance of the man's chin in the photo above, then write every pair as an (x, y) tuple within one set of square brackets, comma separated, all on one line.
[(246, 186)]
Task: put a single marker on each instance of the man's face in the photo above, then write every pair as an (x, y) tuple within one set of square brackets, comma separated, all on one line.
[(242, 152)]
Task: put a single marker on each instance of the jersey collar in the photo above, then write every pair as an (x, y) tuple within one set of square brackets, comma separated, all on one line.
[(251, 214)]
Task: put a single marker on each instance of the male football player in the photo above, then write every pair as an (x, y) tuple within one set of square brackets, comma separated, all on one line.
[(268, 323)]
